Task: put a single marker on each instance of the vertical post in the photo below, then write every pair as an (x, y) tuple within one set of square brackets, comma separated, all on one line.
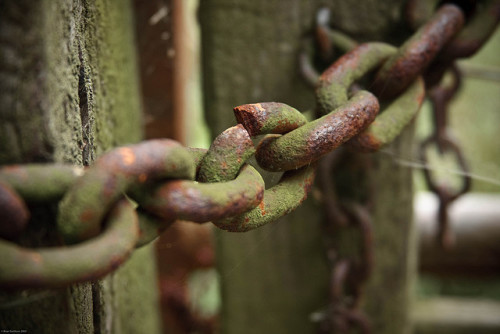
[(275, 277), (68, 92)]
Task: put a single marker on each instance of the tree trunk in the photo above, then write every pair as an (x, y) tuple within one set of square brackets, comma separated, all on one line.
[(275, 277), (68, 92)]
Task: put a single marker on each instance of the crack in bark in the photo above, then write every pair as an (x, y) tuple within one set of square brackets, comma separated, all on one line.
[(84, 95)]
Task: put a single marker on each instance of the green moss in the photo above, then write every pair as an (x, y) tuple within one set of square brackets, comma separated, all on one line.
[(72, 94), (395, 117), (332, 91), (278, 201)]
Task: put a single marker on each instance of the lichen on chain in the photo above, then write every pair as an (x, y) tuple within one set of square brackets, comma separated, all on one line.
[(40, 182), (391, 122), (203, 202), (483, 19), (230, 190), (418, 52), (232, 145), (31, 183), (280, 200), (311, 141), (84, 206), (60, 266), (269, 117), (335, 81)]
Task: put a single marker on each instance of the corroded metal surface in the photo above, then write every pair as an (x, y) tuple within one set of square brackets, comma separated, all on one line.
[(203, 202), (269, 117), (334, 83), (308, 143), (278, 201), (91, 196), (483, 18), (60, 266), (15, 214), (169, 181), (418, 52), (391, 122), (40, 182)]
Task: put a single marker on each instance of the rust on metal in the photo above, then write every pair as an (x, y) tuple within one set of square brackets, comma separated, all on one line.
[(92, 195), (361, 268), (334, 83), (327, 41), (445, 194), (338, 278), (203, 202), (60, 266), (418, 52), (40, 182), (232, 194), (15, 214), (311, 141), (475, 33), (278, 201), (440, 97), (306, 67), (269, 117), (358, 319), (227, 153), (334, 215), (323, 40), (390, 123), (482, 19)]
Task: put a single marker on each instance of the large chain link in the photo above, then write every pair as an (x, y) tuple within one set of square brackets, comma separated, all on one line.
[(168, 181)]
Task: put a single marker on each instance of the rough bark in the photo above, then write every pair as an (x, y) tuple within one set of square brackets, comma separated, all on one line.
[(68, 92), (274, 278)]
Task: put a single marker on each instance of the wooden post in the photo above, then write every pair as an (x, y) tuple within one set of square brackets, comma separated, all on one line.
[(69, 92), (275, 277)]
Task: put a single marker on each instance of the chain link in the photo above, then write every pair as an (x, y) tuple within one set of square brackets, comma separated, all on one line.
[(169, 181), (349, 273), (440, 97), (429, 52)]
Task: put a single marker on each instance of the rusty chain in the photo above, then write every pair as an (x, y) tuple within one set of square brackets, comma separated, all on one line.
[(349, 273), (131, 194), (431, 51), (440, 97)]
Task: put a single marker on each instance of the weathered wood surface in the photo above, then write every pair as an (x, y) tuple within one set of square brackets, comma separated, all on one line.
[(274, 278), (69, 92)]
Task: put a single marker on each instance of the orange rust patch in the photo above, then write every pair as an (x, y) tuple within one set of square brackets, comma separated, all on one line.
[(143, 177), (259, 106), (36, 257), (12, 168), (262, 208), (128, 156), (86, 216)]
